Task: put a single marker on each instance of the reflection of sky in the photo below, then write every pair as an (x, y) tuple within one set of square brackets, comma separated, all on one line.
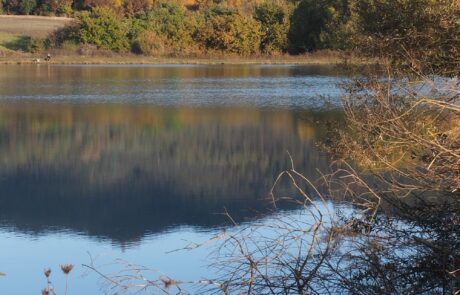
[(23, 259), (286, 87), (24, 255), (156, 252)]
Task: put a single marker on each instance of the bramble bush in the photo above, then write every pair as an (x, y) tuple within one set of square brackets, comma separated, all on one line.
[(428, 30)]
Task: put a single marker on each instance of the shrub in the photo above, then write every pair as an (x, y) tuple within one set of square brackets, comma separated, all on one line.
[(104, 28), (136, 26), (149, 43), (275, 40), (35, 45), (10, 5), (274, 27), (64, 8), (171, 21), (269, 14), (67, 34), (137, 7), (108, 4), (27, 6), (316, 24), (47, 7), (227, 30)]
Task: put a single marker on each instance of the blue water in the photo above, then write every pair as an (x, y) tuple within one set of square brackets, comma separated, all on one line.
[(131, 162)]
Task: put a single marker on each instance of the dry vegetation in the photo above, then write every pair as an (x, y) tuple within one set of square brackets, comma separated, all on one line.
[(33, 26)]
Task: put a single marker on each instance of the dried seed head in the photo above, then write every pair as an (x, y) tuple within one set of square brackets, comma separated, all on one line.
[(45, 292), (66, 268), (47, 272)]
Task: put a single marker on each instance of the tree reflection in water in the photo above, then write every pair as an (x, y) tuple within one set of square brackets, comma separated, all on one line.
[(123, 171)]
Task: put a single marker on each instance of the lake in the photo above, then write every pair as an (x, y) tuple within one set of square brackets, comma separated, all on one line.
[(133, 162)]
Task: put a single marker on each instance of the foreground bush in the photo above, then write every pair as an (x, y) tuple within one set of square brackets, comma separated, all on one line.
[(420, 35)]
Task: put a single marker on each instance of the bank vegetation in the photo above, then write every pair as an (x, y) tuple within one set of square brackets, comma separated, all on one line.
[(188, 28)]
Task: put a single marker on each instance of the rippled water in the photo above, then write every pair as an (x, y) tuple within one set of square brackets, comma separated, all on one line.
[(131, 162), (258, 86)]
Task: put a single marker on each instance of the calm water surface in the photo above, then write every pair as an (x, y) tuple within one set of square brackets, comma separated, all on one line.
[(131, 162)]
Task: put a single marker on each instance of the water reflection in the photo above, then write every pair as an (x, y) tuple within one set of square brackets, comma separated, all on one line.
[(121, 172), (260, 86)]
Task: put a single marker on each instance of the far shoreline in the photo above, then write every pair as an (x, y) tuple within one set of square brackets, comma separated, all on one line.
[(146, 60)]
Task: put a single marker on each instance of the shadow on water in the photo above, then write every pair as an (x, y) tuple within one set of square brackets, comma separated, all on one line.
[(121, 172)]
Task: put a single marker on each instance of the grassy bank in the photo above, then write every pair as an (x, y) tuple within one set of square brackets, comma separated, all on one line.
[(114, 58)]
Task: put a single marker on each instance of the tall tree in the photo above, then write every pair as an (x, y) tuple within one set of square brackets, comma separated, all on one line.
[(316, 24)]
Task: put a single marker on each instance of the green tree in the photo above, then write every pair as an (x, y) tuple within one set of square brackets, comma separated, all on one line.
[(227, 30), (269, 14), (11, 6), (104, 28), (170, 20), (136, 7), (27, 6), (54, 7), (318, 24), (165, 21), (274, 27)]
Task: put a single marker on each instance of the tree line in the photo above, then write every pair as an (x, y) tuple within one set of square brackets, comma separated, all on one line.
[(192, 27)]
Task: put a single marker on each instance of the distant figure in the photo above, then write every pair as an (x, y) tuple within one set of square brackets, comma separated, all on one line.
[(48, 57), (36, 60)]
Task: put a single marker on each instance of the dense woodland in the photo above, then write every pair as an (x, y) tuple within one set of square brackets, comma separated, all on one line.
[(253, 27)]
